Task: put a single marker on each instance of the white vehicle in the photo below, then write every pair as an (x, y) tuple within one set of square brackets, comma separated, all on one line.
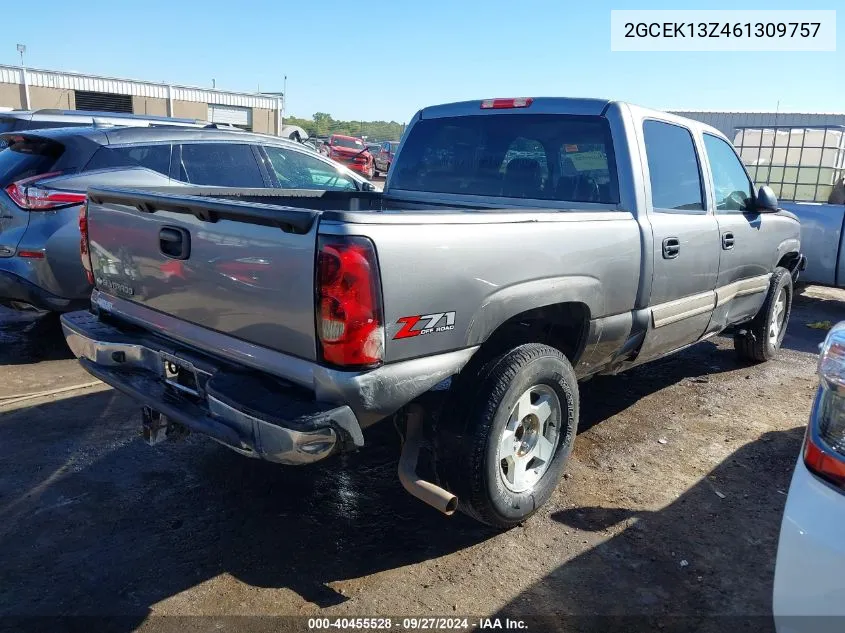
[(809, 593)]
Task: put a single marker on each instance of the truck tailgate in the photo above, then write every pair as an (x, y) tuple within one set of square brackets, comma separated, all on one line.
[(240, 268)]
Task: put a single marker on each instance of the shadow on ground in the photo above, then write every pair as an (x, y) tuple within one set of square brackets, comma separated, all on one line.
[(605, 396), (665, 571), (92, 521), (25, 339), (811, 308)]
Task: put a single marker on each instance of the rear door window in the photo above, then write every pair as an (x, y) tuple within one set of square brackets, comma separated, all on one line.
[(673, 168), (154, 157), (220, 165), (544, 156), (296, 170)]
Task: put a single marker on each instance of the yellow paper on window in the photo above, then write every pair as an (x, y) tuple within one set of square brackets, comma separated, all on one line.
[(588, 161)]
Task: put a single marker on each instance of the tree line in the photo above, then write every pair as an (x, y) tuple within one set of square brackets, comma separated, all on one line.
[(322, 124)]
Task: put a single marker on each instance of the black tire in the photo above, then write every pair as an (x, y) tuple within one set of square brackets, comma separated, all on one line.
[(753, 342), (468, 440)]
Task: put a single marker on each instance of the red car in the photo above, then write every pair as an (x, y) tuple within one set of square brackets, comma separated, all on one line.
[(353, 153)]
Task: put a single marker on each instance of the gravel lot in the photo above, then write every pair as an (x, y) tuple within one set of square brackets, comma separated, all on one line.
[(670, 506)]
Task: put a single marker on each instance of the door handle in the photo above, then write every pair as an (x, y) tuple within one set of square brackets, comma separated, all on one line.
[(671, 248), (174, 242), (727, 240)]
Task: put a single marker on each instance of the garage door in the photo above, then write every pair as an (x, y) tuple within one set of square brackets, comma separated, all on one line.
[(242, 117)]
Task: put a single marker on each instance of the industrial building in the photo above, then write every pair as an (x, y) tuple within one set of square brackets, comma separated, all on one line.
[(33, 89), (728, 122)]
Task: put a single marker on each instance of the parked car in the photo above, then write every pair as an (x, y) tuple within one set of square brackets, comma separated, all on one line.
[(383, 157), (20, 120), (321, 145), (823, 235), (809, 584), (44, 175), (351, 152), (476, 287)]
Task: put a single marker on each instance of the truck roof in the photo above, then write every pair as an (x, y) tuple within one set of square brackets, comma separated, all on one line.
[(555, 105), (539, 105)]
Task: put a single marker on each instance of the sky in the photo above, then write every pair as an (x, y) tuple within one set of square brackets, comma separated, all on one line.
[(372, 60)]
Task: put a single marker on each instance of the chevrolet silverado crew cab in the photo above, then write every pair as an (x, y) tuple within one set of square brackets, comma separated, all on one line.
[(519, 246)]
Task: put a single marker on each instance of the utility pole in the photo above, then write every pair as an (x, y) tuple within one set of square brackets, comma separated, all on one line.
[(284, 101), (26, 105)]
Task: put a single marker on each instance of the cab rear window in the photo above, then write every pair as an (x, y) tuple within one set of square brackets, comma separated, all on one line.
[(545, 156)]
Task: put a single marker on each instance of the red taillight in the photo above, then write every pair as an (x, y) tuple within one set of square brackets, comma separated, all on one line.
[(31, 254), (84, 253), (823, 462), (824, 444), (349, 322), (505, 104), (28, 195)]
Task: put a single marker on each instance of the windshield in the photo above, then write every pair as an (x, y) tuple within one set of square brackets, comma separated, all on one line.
[(543, 156), (352, 143), (394, 147)]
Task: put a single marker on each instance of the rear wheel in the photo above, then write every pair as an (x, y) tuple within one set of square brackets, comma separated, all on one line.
[(519, 419), (762, 337)]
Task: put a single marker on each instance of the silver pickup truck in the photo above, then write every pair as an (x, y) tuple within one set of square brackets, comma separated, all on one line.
[(519, 246)]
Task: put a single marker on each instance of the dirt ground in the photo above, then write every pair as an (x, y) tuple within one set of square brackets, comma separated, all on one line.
[(670, 507)]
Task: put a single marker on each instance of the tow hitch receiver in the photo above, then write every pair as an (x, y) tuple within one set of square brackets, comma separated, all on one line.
[(156, 428)]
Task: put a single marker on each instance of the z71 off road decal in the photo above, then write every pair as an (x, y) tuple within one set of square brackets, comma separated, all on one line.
[(426, 324)]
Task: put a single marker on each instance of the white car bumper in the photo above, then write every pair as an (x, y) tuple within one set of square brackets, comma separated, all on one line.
[(809, 592)]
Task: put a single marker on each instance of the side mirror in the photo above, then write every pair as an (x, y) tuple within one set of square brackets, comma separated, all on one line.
[(767, 201), (368, 186)]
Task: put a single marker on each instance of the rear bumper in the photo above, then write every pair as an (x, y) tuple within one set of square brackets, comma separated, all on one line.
[(360, 168), (251, 413), (372, 395), (18, 293)]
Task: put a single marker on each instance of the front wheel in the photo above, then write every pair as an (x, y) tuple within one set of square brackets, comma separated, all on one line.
[(520, 416), (761, 339)]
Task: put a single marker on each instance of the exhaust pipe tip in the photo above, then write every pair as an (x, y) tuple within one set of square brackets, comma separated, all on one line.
[(430, 493)]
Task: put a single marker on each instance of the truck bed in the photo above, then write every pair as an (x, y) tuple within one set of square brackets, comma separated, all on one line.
[(242, 280)]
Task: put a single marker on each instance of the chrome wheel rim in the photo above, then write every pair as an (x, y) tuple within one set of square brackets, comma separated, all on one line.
[(778, 318), (528, 441)]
